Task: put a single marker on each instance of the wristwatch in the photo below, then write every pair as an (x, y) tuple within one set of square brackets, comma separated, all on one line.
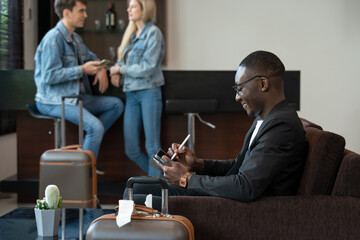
[(183, 180)]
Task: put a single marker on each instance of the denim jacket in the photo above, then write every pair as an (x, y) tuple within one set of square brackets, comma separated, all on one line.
[(58, 61), (141, 64)]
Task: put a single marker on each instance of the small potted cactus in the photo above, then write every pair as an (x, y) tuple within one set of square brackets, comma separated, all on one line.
[(47, 212)]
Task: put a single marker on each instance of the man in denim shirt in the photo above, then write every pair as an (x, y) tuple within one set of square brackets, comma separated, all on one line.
[(62, 65)]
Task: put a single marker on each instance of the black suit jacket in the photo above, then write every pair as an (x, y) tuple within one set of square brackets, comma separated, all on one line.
[(271, 165)]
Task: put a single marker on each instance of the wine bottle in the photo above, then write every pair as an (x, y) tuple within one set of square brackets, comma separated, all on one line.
[(110, 17)]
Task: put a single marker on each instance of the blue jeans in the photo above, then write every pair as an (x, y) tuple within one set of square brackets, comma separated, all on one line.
[(108, 110), (143, 111)]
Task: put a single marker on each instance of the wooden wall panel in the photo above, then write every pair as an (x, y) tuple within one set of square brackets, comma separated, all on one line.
[(221, 143), (33, 139)]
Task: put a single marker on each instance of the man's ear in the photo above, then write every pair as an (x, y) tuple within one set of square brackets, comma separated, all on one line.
[(264, 84), (66, 13)]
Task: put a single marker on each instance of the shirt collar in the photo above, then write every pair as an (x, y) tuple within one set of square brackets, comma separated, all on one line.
[(143, 31), (60, 25)]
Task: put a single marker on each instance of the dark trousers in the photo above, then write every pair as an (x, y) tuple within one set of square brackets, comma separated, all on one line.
[(142, 190)]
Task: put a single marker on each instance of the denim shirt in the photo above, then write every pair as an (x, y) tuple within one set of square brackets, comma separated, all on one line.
[(141, 64), (58, 61)]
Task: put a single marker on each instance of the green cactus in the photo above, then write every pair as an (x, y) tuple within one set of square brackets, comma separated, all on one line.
[(52, 199)]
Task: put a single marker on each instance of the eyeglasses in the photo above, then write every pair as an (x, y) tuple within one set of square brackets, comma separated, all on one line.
[(238, 90)]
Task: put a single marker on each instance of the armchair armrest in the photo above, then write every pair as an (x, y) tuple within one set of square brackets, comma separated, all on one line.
[(288, 217), (348, 177)]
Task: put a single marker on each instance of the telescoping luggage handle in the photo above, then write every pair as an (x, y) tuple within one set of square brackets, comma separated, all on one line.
[(150, 180), (63, 135)]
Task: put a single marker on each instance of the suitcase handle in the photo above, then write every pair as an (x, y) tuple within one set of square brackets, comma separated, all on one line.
[(76, 146), (63, 130), (146, 180), (150, 180)]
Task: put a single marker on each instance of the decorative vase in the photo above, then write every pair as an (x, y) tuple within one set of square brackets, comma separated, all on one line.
[(47, 221)]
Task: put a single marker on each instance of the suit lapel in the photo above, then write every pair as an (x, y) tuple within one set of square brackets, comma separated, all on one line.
[(240, 157)]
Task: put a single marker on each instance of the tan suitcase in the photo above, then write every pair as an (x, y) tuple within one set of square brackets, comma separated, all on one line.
[(71, 168), (147, 224), (73, 171)]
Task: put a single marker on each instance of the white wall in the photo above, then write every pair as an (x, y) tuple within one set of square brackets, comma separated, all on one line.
[(8, 159), (320, 38)]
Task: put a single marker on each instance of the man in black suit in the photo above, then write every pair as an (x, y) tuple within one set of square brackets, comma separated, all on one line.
[(272, 157)]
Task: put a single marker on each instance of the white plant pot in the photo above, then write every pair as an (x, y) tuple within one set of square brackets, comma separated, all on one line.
[(47, 221)]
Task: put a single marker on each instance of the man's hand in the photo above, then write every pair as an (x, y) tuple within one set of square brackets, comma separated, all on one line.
[(185, 156), (173, 173), (102, 78), (91, 67)]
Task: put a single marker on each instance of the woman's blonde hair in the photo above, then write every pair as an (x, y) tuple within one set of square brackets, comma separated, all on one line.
[(149, 13)]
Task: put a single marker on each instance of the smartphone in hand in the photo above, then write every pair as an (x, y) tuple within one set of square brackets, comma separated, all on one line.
[(104, 62), (158, 157)]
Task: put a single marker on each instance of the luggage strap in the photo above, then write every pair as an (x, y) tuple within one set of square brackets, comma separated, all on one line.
[(142, 208), (177, 218)]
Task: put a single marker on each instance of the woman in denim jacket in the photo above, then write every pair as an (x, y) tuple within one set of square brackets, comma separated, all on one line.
[(138, 69)]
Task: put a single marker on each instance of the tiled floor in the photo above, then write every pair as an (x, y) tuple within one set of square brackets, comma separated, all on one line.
[(8, 202)]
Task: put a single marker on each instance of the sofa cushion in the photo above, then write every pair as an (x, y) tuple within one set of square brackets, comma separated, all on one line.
[(325, 153), (286, 217), (348, 178)]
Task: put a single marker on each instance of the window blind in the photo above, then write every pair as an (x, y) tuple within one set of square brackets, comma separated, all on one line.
[(11, 50), (4, 34)]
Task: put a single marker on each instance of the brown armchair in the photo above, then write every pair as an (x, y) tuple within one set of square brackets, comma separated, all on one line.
[(327, 204)]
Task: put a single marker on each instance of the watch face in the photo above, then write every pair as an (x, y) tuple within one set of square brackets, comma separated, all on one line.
[(182, 182)]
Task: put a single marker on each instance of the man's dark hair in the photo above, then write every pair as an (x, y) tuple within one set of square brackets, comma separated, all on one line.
[(264, 63), (61, 5)]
